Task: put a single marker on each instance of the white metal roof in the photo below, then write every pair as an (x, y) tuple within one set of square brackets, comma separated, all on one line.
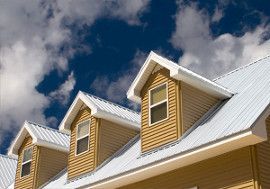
[(7, 170), (42, 136), (234, 123), (176, 72), (101, 108)]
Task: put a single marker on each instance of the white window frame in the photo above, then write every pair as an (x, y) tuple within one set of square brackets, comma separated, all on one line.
[(154, 105), (77, 126), (31, 147)]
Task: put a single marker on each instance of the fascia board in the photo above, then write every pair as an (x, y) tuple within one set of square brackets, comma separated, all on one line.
[(232, 143), (13, 150), (116, 119), (65, 123), (49, 145), (179, 73)]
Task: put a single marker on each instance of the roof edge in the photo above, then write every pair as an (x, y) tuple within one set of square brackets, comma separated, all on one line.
[(96, 112), (179, 73), (246, 138)]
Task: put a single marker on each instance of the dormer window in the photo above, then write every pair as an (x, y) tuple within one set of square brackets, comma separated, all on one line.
[(82, 141), (26, 162), (158, 105)]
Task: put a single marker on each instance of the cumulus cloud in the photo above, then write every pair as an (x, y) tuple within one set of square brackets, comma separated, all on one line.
[(115, 90), (62, 94), (213, 56), (35, 39)]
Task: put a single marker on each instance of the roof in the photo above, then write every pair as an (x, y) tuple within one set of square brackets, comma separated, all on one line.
[(234, 123), (101, 108), (42, 136), (177, 72), (7, 170)]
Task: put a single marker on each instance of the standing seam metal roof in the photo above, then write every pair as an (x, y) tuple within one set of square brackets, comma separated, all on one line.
[(7, 170), (114, 109), (48, 134), (235, 115)]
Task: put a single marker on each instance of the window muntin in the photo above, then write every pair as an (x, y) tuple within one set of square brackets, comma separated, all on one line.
[(82, 140), (158, 105), (26, 162)]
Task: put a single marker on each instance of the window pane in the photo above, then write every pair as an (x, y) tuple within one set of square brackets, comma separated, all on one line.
[(159, 112), (27, 154), (158, 94), (83, 129), (26, 169), (82, 145)]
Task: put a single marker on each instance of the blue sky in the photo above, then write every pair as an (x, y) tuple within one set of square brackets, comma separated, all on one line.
[(49, 50)]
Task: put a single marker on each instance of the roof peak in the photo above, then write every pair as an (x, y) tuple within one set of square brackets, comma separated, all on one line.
[(241, 67)]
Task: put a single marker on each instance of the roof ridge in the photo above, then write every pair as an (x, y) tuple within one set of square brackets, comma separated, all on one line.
[(46, 127), (6, 156), (113, 103), (240, 68)]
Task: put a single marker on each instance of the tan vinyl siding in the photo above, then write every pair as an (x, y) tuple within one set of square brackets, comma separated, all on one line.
[(195, 103), (84, 162), (167, 130), (263, 158), (111, 138), (29, 180), (50, 163), (231, 170)]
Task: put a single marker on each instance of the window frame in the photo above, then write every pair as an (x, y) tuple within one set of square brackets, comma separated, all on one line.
[(154, 105), (23, 163), (88, 135)]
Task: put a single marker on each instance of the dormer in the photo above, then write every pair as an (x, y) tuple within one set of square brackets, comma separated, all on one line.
[(42, 153), (172, 99), (98, 129)]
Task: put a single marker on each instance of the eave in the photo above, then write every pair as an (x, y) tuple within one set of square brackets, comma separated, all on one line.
[(177, 72)]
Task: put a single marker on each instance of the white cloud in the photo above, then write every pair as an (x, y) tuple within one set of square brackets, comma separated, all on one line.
[(62, 94), (211, 56), (32, 34), (116, 90)]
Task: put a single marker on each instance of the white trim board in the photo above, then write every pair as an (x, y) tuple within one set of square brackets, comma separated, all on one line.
[(177, 72)]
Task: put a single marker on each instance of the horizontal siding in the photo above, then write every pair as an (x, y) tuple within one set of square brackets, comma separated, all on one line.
[(50, 163), (111, 138), (29, 180), (263, 157), (195, 103), (232, 170), (85, 162), (165, 131)]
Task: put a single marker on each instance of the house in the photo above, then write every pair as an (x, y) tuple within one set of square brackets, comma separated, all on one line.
[(192, 133)]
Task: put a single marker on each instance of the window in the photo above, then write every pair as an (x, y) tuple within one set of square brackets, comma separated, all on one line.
[(82, 137), (158, 104), (26, 162)]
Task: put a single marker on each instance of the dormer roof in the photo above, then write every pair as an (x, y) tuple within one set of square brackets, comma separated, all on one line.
[(234, 123), (101, 108), (42, 136), (177, 72)]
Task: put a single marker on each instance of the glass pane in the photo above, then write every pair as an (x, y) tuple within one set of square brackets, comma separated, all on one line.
[(158, 94), (83, 129), (26, 169), (82, 145), (159, 112), (27, 154)]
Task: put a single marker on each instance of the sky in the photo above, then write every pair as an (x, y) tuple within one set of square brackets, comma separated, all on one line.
[(49, 50)]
